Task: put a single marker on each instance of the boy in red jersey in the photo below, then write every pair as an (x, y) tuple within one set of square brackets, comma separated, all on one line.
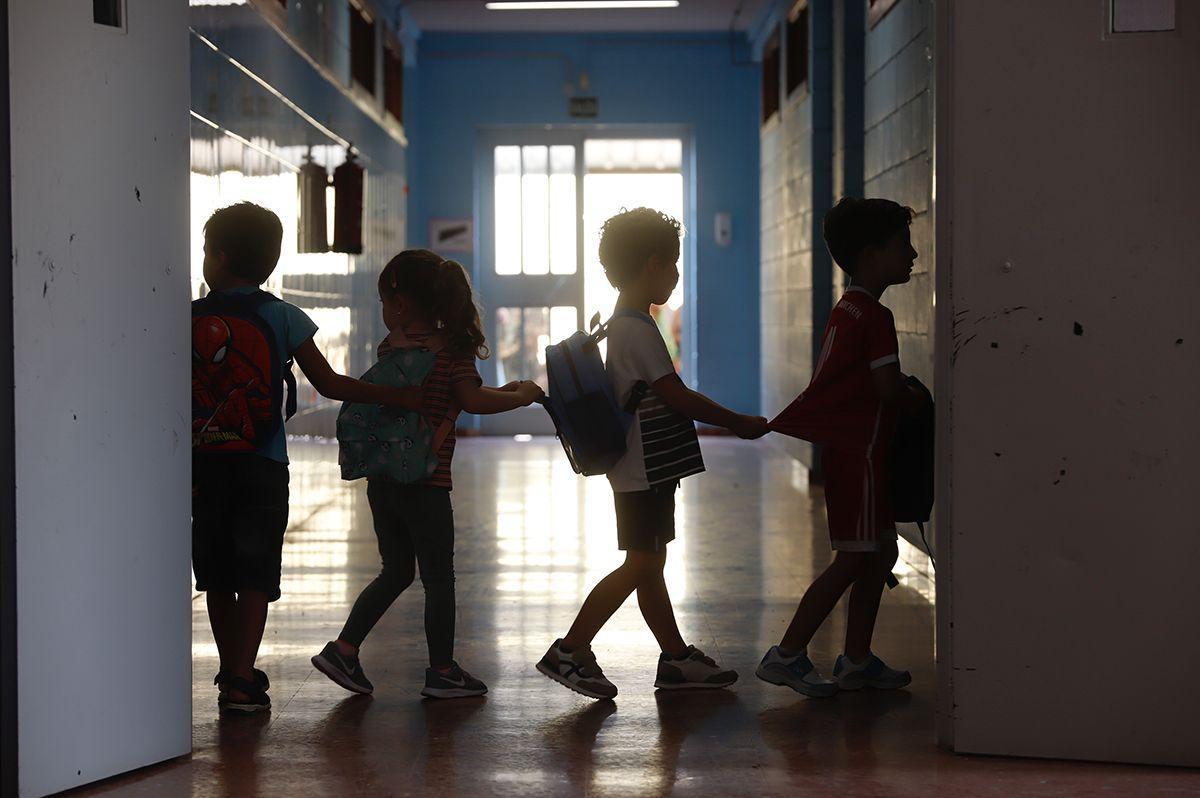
[(850, 408)]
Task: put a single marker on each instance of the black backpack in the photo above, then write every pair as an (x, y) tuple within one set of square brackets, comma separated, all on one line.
[(238, 376), (910, 463)]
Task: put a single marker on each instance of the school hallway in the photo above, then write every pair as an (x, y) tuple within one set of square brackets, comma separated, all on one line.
[(532, 539)]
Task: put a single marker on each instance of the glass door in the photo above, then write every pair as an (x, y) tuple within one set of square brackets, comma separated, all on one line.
[(529, 274), (542, 198)]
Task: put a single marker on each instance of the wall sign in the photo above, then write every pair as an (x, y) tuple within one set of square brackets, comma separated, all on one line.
[(584, 107), (450, 235)]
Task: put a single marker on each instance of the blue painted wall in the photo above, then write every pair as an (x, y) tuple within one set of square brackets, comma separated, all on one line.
[(464, 82)]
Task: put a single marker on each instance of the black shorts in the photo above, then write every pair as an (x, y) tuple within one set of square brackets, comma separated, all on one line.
[(646, 518), (239, 515)]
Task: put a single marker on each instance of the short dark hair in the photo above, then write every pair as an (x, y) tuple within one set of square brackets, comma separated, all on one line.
[(250, 236), (630, 238), (855, 224)]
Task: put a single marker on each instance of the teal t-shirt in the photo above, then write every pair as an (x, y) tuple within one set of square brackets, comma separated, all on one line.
[(292, 327)]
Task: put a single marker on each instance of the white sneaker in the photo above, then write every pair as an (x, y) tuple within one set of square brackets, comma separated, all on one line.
[(693, 671), (796, 672), (577, 670), (871, 672)]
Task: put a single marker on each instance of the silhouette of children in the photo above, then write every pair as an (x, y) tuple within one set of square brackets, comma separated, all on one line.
[(243, 342), (427, 303), (850, 408), (640, 250)]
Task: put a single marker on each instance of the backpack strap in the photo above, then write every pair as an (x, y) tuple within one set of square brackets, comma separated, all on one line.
[(255, 301), (442, 433)]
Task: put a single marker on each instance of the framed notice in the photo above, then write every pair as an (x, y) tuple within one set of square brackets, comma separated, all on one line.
[(450, 235)]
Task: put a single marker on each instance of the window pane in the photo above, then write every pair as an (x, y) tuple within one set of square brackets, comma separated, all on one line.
[(522, 335), (508, 344), (537, 338), (508, 210), (563, 322), (563, 254), (535, 210), (633, 155)]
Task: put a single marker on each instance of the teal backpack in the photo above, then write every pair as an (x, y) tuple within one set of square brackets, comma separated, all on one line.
[(379, 441)]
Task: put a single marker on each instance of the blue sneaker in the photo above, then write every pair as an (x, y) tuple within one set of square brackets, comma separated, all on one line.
[(871, 672), (796, 672)]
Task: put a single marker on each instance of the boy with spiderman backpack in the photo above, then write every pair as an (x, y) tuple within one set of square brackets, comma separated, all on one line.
[(243, 343)]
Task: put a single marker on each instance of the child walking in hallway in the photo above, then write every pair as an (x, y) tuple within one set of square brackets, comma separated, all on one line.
[(243, 343), (851, 405), (427, 303), (640, 250)]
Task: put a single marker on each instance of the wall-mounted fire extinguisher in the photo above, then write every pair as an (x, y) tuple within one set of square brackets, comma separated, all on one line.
[(313, 231), (348, 181)]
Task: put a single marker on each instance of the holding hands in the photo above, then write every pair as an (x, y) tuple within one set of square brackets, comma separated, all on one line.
[(527, 390), (750, 427)]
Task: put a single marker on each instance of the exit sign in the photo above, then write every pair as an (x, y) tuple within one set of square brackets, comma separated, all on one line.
[(584, 107)]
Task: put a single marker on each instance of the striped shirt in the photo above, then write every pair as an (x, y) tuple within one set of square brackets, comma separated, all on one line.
[(448, 370), (662, 447)]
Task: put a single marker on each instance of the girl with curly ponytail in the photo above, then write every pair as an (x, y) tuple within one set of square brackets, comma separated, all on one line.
[(427, 303)]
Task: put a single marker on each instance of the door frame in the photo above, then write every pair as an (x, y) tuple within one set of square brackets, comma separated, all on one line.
[(486, 139), (8, 488)]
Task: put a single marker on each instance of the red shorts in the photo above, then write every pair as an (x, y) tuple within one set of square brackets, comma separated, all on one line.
[(858, 500)]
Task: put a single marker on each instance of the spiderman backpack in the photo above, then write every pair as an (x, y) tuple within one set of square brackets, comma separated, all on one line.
[(238, 375)]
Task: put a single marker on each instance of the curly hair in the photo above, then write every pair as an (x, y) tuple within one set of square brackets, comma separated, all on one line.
[(855, 224), (630, 238), (443, 289)]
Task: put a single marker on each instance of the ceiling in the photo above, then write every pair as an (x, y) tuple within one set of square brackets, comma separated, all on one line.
[(470, 16)]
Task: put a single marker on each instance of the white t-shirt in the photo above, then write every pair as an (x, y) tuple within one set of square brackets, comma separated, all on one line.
[(662, 446)]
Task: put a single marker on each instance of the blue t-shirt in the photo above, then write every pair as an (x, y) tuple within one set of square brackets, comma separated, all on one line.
[(292, 327)]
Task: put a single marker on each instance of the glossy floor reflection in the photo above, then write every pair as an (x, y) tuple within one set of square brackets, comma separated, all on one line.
[(532, 539)]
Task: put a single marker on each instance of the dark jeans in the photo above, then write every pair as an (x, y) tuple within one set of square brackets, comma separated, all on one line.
[(415, 527)]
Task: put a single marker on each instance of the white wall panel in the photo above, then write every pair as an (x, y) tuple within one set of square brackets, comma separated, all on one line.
[(1069, 225), (100, 265)]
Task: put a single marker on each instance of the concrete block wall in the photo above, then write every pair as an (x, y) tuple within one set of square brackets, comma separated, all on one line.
[(898, 150), (787, 246), (796, 188)]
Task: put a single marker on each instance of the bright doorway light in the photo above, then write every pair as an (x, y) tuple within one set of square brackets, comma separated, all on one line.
[(577, 5)]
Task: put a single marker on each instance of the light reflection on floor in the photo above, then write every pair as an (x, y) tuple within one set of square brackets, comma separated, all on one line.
[(532, 539)]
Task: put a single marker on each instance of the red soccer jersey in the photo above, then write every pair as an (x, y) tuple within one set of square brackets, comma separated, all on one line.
[(840, 408)]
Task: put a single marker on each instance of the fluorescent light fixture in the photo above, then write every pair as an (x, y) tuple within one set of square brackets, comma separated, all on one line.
[(577, 5)]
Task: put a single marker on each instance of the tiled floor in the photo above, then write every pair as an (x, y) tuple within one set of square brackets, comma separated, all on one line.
[(532, 538)]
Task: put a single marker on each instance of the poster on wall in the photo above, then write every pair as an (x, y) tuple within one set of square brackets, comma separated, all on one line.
[(450, 235)]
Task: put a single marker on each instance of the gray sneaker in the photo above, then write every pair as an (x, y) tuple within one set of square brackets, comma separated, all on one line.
[(871, 672), (577, 670), (343, 669), (693, 671), (457, 683), (796, 672)]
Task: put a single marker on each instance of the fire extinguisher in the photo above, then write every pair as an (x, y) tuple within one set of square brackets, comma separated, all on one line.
[(348, 182), (313, 180)]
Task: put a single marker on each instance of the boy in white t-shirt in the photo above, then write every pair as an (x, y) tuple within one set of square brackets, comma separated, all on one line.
[(640, 252)]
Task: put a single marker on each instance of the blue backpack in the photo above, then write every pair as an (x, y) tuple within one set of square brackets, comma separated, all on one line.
[(588, 420), (379, 441)]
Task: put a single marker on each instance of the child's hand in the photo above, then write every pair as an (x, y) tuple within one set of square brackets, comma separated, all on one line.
[(750, 427), (510, 387), (529, 392)]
